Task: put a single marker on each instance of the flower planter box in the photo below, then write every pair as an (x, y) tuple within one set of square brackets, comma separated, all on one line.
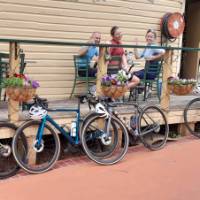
[(181, 89), (114, 91), (21, 94), (115, 85)]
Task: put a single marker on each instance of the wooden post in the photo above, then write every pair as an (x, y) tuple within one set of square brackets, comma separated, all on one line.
[(183, 130), (13, 106), (102, 69), (167, 71), (31, 152)]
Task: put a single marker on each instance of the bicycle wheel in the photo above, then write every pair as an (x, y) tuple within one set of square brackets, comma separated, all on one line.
[(153, 128), (8, 165), (191, 112), (102, 143), (98, 149), (40, 157)]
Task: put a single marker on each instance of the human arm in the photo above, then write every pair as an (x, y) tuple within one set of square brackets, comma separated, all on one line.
[(124, 63), (157, 55), (96, 55), (135, 50), (84, 50)]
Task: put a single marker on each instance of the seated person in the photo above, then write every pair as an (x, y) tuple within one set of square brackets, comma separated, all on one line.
[(151, 56), (91, 53), (119, 51)]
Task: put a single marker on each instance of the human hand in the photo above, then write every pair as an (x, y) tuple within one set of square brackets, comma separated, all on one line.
[(126, 73), (91, 40)]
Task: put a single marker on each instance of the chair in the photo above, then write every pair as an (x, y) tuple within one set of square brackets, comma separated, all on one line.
[(114, 63), (152, 69), (153, 84), (82, 66)]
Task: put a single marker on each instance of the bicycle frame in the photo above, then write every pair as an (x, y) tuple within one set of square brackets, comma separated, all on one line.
[(73, 140), (138, 111)]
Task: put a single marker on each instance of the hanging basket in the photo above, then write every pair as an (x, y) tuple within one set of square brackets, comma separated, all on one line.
[(21, 94), (181, 89), (114, 91)]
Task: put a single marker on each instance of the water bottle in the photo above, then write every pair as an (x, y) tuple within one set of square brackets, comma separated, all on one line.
[(73, 129)]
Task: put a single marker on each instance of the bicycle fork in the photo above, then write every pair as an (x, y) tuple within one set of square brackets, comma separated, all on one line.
[(38, 144), (105, 136)]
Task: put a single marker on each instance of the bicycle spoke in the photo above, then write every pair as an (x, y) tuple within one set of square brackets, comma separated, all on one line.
[(153, 128), (39, 156), (110, 145)]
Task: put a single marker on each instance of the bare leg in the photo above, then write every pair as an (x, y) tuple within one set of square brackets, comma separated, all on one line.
[(134, 81)]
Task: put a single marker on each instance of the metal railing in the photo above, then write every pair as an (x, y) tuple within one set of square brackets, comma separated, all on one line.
[(165, 97)]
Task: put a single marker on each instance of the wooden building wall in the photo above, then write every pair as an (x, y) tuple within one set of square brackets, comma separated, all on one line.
[(191, 60), (74, 20)]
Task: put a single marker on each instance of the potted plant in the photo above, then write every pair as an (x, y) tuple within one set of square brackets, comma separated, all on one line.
[(115, 85), (181, 86), (20, 87)]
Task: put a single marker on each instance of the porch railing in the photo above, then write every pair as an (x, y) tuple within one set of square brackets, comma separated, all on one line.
[(13, 107)]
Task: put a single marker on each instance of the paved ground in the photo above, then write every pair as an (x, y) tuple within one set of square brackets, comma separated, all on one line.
[(168, 174)]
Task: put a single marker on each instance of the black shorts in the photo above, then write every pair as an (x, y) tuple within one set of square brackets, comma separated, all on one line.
[(91, 72)]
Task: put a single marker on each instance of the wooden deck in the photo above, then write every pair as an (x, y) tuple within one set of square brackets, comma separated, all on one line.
[(175, 113)]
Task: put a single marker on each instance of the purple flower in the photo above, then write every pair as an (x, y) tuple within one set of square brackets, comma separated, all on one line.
[(103, 80), (35, 84), (113, 76), (108, 78)]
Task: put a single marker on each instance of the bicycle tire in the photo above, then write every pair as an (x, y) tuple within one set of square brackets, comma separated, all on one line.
[(192, 103), (153, 134), (8, 165), (84, 120), (113, 155), (50, 138), (97, 142)]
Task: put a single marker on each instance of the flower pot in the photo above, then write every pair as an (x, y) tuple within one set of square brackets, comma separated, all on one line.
[(114, 91), (182, 89), (21, 94)]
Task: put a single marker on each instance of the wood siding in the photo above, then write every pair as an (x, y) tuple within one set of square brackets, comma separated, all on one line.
[(74, 20)]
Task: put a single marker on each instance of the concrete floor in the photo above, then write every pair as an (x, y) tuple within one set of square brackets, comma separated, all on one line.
[(169, 174)]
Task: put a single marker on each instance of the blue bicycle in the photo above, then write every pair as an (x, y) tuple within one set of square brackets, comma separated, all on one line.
[(43, 143)]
